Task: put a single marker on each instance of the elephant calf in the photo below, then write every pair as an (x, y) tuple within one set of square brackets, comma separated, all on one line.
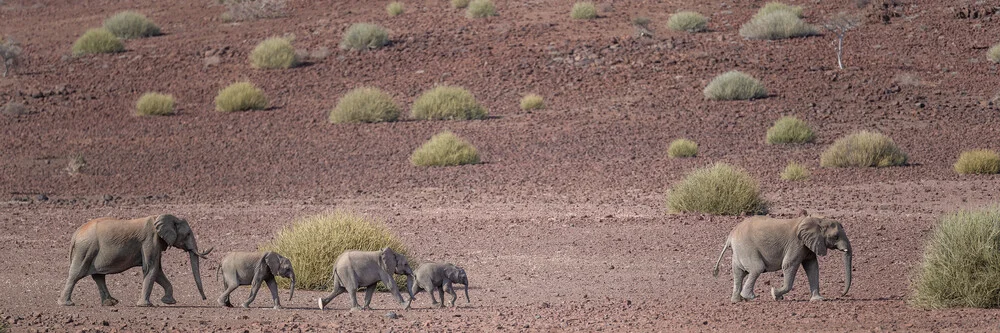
[(250, 268), (763, 244), (356, 269), (435, 276)]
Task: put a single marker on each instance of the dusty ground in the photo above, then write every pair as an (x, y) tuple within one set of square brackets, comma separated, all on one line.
[(562, 227)]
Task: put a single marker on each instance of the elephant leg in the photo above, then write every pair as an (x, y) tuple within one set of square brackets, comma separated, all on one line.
[(354, 299), (74, 276), (254, 288), (273, 286), (224, 298), (751, 279), (102, 288), (789, 271), (454, 296), (337, 290), (147, 287), (738, 275), (369, 291), (812, 273), (168, 289), (431, 292), (441, 294)]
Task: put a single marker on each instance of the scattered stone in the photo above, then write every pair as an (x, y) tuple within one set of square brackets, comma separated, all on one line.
[(41, 197), (392, 315)]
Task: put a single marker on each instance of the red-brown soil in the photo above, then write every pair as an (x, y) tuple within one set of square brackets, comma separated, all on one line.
[(562, 227)]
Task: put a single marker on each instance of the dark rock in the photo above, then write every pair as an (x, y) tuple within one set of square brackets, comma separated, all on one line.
[(42, 197)]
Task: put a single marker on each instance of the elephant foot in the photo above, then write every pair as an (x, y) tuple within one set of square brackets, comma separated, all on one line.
[(748, 297), (143, 303), (66, 303), (777, 297), (246, 305), (356, 308), (736, 299), (110, 301), (322, 306), (817, 298), (277, 307), (168, 300)]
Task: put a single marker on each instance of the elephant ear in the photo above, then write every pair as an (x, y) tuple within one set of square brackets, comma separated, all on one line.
[(166, 228), (811, 234), (387, 260), (273, 262)]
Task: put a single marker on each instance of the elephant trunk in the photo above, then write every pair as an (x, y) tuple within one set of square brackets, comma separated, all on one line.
[(292, 287), (196, 271), (466, 292), (848, 254)]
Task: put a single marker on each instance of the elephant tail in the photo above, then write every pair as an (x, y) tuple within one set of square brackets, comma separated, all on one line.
[(715, 271), (218, 273)]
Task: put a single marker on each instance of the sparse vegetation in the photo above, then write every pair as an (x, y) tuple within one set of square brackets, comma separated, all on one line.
[(481, 9), (583, 11), (364, 36), (97, 40), (720, 189), (776, 25), (129, 25), (395, 8), (734, 85), (682, 148), (249, 10), (993, 54), (863, 149), (794, 172), (240, 96), (532, 102), (687, 21), (447, 102), (961, 266), (274, 53), (10, 54), (155, 104), (13, 108), (76, 165), (772, 7), (459, 4), (839, 25), (313, 244), (445, 149), (789, 129), (979, 161), (365, 105), (641, 21)]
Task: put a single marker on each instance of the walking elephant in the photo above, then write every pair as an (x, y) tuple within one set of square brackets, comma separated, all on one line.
[(109, 246), (356, 269), (251, 268)]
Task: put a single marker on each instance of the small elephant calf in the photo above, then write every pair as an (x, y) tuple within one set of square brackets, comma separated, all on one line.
[(435, 276), (250, 268)]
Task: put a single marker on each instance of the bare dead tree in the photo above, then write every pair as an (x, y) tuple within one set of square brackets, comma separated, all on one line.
[(840, 24), (10, 51)]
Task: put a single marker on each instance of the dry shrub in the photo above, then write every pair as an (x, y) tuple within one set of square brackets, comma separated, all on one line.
[(794, 172), (445, 149), (76, 165), (979, 161), (961, 264), (395, 8), (481, 9), (789, 129), (993, 54), (97, 40), (129, 25), (720, 189), (532, 102), (772, 7), (776, 25), (240, 96), (364, 36), (365, 105), (459, 4), (687, 21), (734, 85), (13, 108), (10, 54), (313, 244), (863, 149), (155, 104), (274, 53), (583, 11), (249, 10), (447, 103), (682, 148)]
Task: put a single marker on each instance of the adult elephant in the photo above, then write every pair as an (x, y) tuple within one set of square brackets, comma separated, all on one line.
[(109, 246)]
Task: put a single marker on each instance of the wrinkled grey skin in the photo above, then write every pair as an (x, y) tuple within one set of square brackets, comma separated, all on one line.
[(763, 244), (438, 277), (356, 269), (109, 246), (250, 269)]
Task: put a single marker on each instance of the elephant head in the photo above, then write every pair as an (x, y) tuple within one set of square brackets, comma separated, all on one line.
[(177, 233), (457, 274), (393, 262), (278, 265), (818, 235)]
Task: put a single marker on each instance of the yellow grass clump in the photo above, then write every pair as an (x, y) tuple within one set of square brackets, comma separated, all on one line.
[(721, 189), (979, 161), (155, 104), (445, 149)]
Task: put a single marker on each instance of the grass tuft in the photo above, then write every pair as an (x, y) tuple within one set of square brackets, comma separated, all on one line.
[(459, 4), (863, 149), (155, 104), (682, 148), (795, 172), (776, 25), (129, 25), (445, 149), (481, 9), (979, 161), (961, 265), (532, 102), (720, 189), (365, 105), (364, 36), (395, 8), (274, 53), (583, 11), (772, 7), (240, 96), (734, 85), (97, 40), (687, 21), (313, 244), (789, 129), (993, 54), (447, 102)]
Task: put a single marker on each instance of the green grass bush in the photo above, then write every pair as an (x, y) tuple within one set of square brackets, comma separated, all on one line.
[(97, 40), (395, 8), (313, 244), (687, 21), (776, 25), (720, 189), (734, 85), (447, 102), (445, 149), (961, 265), (274, 53), (459, 4), (794, 172), (129, 25), (481, 9), (532, 102), (364, 36), (993, 54), (789, 129), (240, 96), (583, 11), (682, 148), (365, 105), (979, 161), (772, 7), (863, 149), (155, 104)]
